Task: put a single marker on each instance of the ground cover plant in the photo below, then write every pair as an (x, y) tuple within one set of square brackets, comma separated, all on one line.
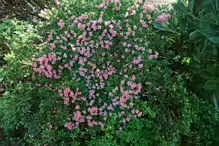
[(93, 73)]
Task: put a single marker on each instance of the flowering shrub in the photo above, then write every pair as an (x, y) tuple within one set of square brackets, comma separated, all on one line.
[(105, 56)]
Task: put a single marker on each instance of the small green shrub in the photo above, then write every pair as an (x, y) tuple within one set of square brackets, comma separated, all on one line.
[(22, 41)]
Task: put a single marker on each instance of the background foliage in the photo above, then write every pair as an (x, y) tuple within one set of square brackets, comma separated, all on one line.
[(23, 8)]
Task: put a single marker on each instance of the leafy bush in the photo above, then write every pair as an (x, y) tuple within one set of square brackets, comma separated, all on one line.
[(99, 78), (22, 40), (196, 49), (4, 47), (199, 44)]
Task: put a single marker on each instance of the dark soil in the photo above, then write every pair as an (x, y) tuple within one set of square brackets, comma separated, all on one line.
[(5, 13)]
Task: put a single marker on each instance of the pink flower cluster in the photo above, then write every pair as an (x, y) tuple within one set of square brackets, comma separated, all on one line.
[(44, 13), (149, 8), (144, 24), (46, 67), (163, 18), (119, 5), (70, 96), (138, 62), (153, 56), (61, 24)]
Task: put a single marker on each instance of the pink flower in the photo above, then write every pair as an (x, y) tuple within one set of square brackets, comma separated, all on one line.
[(139, 114), (129, 45), (93, 111), (61, 24), (90, 34), (99, 27), (89, 118), (67, 91), (149, 17), (144, 24), (141, 1), (133, 78), (107, 23), (133, 13), (43, 13), (77, 107), (58, 3), (135, 27), (81, 26), (139, 87), (69, 125), (77, 115), (118, 3), (163, 18), (141, 65), (66, 101), (92, 102), (73, 48)]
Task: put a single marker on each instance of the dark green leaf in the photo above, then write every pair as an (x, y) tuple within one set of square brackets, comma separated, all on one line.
[(211, 85), (180, 8), (212, 37), (195, 34), (191, 5), (2, 27), (205, 22)]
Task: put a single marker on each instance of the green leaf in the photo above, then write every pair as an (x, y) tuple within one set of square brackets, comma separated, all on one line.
[(207, 23), (204, 24), (162, 26), (211, 85), (180, 8), (195, 34), (186, 60), (212, 37), (2, 27), (191, 5)]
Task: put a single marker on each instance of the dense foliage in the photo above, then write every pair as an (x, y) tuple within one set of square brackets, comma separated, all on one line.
[(100, 74), (198, 44)]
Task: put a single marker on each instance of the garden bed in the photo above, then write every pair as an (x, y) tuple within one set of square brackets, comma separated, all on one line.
[(114, 73)]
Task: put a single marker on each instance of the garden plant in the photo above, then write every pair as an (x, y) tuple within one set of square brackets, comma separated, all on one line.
[(111, 72)]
